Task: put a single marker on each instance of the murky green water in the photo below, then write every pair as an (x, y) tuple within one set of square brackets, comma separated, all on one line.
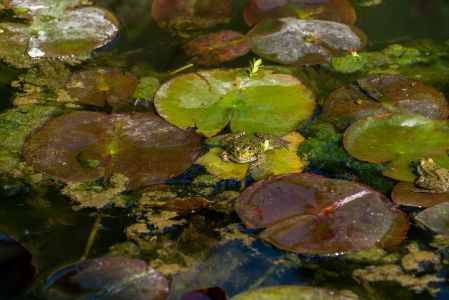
[(55, 235)]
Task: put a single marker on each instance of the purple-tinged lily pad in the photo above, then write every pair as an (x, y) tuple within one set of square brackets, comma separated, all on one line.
[(114, 278), (212, 293), (292, 292), (311, 214), (297, 42), (331, 10), (101, 86), (400, 140), (190, 15), (381, 94), (85, 146), (210, 100), (408, 194), (436, 218), (216, 48)]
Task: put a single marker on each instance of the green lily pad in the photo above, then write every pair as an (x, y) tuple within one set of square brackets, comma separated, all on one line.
[(208, 101), (384, 93), (179, 16), (85, 146), (100, 86), (292, 292), (405, 194), (56, 30), (398, 139), (332, 10), (436, 218), (277, 161), (311, 214), (298, 42), (215, 48)]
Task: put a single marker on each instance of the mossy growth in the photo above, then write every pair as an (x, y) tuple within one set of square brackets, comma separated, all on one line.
[(325, 154)]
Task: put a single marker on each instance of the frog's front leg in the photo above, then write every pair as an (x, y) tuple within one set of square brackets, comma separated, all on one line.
[(256, 164), (224, 156)]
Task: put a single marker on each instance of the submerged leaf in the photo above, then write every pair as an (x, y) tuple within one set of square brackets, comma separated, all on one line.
[(106, 278), (436, 218), (298, 42), (101, 86), (310, 214), (209, 100), (143, 147), (216, 48), (408, 194), (332, 10)]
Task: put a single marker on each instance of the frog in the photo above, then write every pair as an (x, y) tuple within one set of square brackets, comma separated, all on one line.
[(248, 148), (432, 178)]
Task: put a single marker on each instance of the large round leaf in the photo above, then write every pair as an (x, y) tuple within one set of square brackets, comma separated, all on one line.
[(399, 139), (384, 93), (296, 42), (436, 218), (310, 214), (84, 146), (209, 100), (114, 278), (291, 292), (332, 10), (407, 194)]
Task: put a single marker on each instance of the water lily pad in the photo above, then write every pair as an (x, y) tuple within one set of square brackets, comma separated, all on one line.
[(186, 204), (292, 292), (100, 86), (398, 139), (406, 194), (298, 42), (143, 147), (106, 278), (215, 48), (56, 30), (210, 100), (187, 15), (384, 93), (332, 10), (212, 293), (311, 214), (436, 218), (222, 169)]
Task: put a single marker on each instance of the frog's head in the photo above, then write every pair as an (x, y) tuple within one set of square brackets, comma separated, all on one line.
[(243, 154)]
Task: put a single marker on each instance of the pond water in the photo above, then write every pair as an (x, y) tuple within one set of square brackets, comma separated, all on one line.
[(187, 229)]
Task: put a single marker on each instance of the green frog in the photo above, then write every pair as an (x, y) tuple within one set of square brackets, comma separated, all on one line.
[(431, 177), (245, 148)]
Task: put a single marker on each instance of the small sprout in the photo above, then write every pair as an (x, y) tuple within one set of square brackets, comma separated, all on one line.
[(181, 69), (1, 30), (354, 53), (254, 66), (359, 101), (20, 9), (310, 39)]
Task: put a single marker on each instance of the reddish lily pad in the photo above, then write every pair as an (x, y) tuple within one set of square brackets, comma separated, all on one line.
[(188, 15), (384, 93), (408, 194), (292, 292), (298, 42), (106, 278), (101, 86), (310, 214), (215, 48), (212, 293), (186, 204), (436, 218), (210, 100), (332, 10), (400, 140), (85, 146)]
